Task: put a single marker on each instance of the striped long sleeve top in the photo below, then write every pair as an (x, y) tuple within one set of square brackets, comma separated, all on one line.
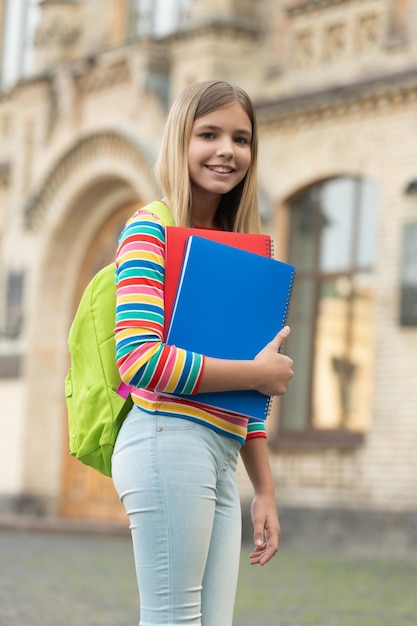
[(145, 362)]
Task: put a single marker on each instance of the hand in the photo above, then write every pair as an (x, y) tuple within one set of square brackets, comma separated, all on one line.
[(276, 368), (266, 529)]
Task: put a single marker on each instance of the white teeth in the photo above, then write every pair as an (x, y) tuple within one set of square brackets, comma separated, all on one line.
[(221, 170)]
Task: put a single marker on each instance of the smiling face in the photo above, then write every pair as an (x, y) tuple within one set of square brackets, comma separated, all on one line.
[(219, 156)]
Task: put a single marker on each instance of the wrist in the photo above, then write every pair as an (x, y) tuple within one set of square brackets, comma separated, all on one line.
[(264, 491), (256, 377)]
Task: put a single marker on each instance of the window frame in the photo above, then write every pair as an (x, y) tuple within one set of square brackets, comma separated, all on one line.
[(311, 437)]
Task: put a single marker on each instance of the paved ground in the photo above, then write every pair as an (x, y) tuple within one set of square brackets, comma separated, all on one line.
[(67, 579)]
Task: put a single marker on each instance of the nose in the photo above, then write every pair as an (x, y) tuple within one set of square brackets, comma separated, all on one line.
[(226, 148)]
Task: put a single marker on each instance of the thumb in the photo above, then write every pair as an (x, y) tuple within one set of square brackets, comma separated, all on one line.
[(279, 339), (259, 537), (258, 522)]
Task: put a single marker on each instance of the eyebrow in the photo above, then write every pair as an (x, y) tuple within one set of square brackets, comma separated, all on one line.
[(238, 131)]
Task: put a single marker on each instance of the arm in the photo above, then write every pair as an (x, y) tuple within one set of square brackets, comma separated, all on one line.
[(254, 455), (144, 360), (263, 511)]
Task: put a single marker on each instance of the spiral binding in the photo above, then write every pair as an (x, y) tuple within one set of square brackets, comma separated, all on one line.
[(268, 407), (287, 303), (284, 319), (270, 248)]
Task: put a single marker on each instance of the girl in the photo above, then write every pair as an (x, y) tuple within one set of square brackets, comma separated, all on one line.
[(174, 461)]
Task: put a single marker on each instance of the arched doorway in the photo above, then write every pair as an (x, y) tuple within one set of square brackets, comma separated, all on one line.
[(85, 492), (74, 219)]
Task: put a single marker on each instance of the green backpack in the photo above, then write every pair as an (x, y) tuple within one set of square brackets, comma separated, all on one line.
[(97, 400)]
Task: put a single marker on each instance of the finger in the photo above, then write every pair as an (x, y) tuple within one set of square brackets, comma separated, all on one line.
[(280, 337), (255, 557), (262, 557), (270, 545), (267, 556), (254, 560), (264, 554)]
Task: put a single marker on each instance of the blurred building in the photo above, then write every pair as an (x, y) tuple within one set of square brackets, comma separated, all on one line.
[(82, 110)]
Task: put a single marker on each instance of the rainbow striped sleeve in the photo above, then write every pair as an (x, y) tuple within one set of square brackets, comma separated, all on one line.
[(256, 428), (143, 359)]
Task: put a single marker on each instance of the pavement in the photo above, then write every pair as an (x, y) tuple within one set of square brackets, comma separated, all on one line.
[(57, 573)]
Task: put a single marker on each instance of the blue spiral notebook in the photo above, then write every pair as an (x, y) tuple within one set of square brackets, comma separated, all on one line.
[(230, 303)]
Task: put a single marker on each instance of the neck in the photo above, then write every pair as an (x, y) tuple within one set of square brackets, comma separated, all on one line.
[(203, 213)]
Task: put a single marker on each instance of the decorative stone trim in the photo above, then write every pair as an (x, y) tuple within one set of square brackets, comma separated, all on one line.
[(308, 6), (384, 91), (337, 40), (55, 31), (221, 28), (111, 144), (104, 76)]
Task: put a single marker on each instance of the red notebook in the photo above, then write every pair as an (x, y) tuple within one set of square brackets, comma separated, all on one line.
[(175, 243)]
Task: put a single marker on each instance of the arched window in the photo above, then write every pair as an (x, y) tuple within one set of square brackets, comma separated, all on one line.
[(332, 245)]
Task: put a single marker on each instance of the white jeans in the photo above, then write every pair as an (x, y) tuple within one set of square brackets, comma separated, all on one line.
[(177, 481)]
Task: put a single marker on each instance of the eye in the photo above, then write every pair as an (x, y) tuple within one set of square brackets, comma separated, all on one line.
[(207, 135), (242, 140)]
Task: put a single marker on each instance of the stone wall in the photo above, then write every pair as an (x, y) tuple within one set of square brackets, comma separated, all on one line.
[(335, 88)]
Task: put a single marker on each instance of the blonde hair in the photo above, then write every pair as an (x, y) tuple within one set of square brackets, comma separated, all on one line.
[(238, 209)]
